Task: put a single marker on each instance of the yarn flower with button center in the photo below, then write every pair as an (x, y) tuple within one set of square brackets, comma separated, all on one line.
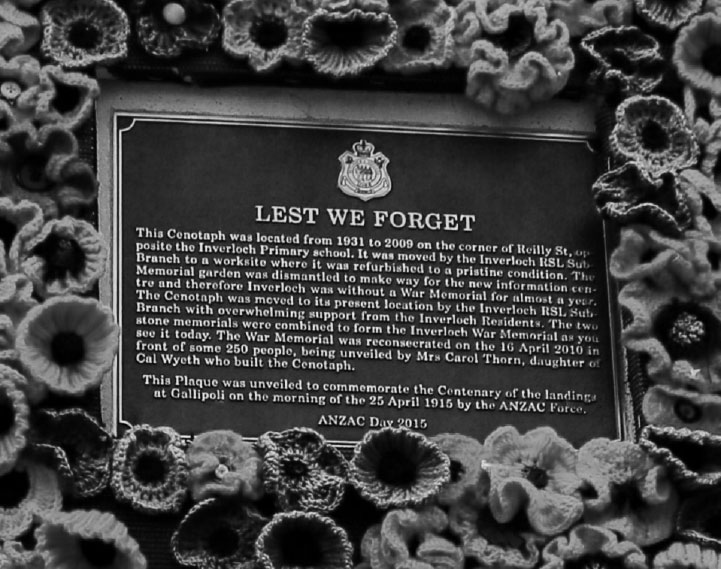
[(68, 343), (697, 54), (168, 28), (302, 470), (668, 406), (21, 87), (535, 473)]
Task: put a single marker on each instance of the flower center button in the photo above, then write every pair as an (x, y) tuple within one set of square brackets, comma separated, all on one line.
[(10, 90), (174, 13)]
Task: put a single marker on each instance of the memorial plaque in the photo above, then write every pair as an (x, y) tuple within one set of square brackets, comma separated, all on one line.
[(279, 266)]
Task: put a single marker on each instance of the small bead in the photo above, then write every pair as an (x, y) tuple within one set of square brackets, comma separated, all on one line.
[(221, 471), (174, 14), (10, 90)]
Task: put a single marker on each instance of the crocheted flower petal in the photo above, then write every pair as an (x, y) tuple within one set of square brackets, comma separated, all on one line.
[(14, 556), (466, 456), (696, 54), (14, 415), (697, 519), (668, 16), (581, 16), (19, 30), (673, 407), (683, 555), (704, 201), (68, 98)]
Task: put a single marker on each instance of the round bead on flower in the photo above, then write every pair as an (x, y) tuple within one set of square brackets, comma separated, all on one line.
[(14, 416), (68, 343), (668, 15), (21, 87), (668, 406)]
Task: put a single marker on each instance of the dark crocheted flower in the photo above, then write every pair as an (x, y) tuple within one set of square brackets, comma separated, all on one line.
[(679, 335), (43, 166), (263, 32), (466, 457), (14, 415), (582, 16), (78, 448), (68, 99), (523, 56), (87, 539), (411, 538), (82, 33), (150, 471), (221, 463), (27, 491), (668, 15), (698, 519), (15, 301), (626, 61), (22, 87), (18, 222), (303, 470), (67, 256), (218, 533), (629, 194), (466, 31), (697, 54), (590, 546), (626, 491), (425, 39), (681, 555), (533, 473), (19, 29), (667, 406), (704, 201), (709, 138), (303, 539), (345, 37), (68, 343), (396, 468), (167, 28), (13, 555), (653, 132)]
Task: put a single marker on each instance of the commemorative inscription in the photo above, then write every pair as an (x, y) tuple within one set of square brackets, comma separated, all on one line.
[(278, 275)]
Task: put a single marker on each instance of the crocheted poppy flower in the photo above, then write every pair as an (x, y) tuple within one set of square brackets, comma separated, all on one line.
[(68, 99), (20, 79), (626, 60), (87, 539), (591, 546), (466, 456), (221, 463), (150, 471), (467, 30), (394, 467), (302, 470), (704, 201), (18, 221), (697, 54), (82, 33), (15, 301), (680, 555), (679, 335), (218, 533), (630, 195), (709, 139), (535, 473), (425, 40), (411, 538), (68, 343), (75, 444), (668, 15), (27, 491), (697, 519), (303, 539), (652, 131), (19, 29), (626, 491), (263, 32), (67, 256), (42, 166), (167, 28), (14, 556), (346, 37), (14, 414), (582, 16), (692, 458), (523, 56), (664, 405)]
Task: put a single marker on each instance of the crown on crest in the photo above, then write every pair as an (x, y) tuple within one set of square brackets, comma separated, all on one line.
[(363, 148)]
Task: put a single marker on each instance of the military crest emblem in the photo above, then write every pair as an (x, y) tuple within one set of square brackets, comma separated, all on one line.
[(364, 174)]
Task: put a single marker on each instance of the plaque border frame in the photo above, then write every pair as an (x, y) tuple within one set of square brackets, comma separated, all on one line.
[(558, 121)]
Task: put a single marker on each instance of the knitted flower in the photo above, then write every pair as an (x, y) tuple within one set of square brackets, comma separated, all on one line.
[(27, 491), (14, 556), (303, 539), (77, 446), (692, 458), (425, 40), (687, 556), (68, 343), (676, 407), (466, 456), (19, 29), (652, 131), (67, 256), (704, 201), (168, 28), (668, 15), (591, 546), (626, 492), (149, 470), (626, 60), (221, 463), (697, 54), (535, 473), (69, 98), (630, 195), (87, 539), (303, 470), (18, 221), (523, 56), (677, 333), (411, 538), (710, 143), (20, 79), (217, 533), (466, 32), (394, 467), (345, 37), (698, 517), (14, 414), (42, 166), (15, 301), (582, 16), (263, 32), (84, 32)]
